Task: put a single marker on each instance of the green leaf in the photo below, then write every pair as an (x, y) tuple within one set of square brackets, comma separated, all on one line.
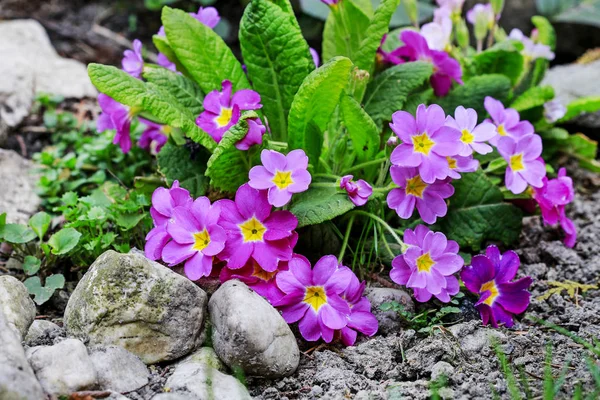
[(362, 130), (31, 265), (388, 92), (317, 205), (163, 46), (580, 106), (178, 163), (313, 105), (129, 220), (117, 84), (478, 214), (474, 91), (228, 167), (2, 219), (56, 281), (16, 233), (64, 241), (203, 53), (345, 30), (69, 198), (379, 26), (40, 223), (547, 36), (186, 91), (43, 293), (532, 98), (504, 59), (277, 59)]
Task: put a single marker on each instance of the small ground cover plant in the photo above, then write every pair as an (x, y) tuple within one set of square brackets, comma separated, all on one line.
[(411, 145)]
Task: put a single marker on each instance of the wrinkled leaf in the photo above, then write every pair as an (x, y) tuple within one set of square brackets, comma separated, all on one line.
[(360, 127), (317, 205), (178, 163), (186, 91)]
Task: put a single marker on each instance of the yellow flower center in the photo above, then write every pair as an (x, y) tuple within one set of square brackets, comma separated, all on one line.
[(501, 130), (516, 162), (315, 297), (466, 137), (283, 179), (201, 240), (424, 263), (422, 143), (224, 118), (167, 130), (491, 286), (262, 274), (252, 230), (451, 162), (415, 186)]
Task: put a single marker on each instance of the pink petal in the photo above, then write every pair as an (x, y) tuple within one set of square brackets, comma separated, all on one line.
[(324, 269), (175, 253), (260, 178), (198, 266), (280, 225), (309, 326)]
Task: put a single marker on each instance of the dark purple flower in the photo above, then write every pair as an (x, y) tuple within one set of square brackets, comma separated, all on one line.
[(361, 318), (446, 69), (153, 138), (359, 191), (313, 297), (553, 197), (489, 276), (118, 117), (132, 62), (254, 232), (222, 111)]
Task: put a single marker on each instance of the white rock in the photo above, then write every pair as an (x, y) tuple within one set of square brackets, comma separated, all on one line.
[(17, 306), (201, 381), (250, 334), (117, 369), (41, 329), (18, 198), (441, 368), (63, 368), (173, 396), (205, 355), (17, 380), (140, 305)]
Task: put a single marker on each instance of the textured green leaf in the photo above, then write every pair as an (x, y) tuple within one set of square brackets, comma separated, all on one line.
[(504, 59), (344, 31), (474, 91), (318, 205), (228, 167), (360, 127), (163, 46), (40, 223), (178, 163), (532, 98), (277, 59), (547, 36), (203, 53), (186, 91), (64, 241), (477, 213), (313, 105), (16, 233), (31, 265), (117, 84), (379, 26), (580, 106), (388, 92)]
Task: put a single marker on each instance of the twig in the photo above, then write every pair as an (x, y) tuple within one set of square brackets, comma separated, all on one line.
[(97, 394), (22, 145), (382, 281), (119, 39)]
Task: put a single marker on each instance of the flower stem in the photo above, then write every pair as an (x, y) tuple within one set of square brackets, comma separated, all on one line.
[(383, 224), (346, 238), (364, 165)]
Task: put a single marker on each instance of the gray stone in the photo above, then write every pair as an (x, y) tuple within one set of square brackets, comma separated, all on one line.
[(117, 369), (18, 198), (573, 81), (475, 340), (140, 305), (17, 306), (248, 333), (206, 355), (441, 368), (63, 368), (40, 331), (201, 381), (17, 381), (389, 321), (173, 396)]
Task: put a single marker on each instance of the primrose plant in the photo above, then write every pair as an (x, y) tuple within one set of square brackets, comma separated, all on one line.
[(260, 151)]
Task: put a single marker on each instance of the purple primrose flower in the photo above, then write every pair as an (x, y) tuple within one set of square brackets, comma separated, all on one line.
[(282, 175), (118, 117), (489, 276), (524, 163), (132, 62), (361, 318), (473, 136), (358, 192), (507, 121), (554, 110), (154, 136), (428, 265)]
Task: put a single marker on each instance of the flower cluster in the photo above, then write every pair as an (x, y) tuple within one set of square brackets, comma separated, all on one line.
[(490, 277), (531, 50)]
